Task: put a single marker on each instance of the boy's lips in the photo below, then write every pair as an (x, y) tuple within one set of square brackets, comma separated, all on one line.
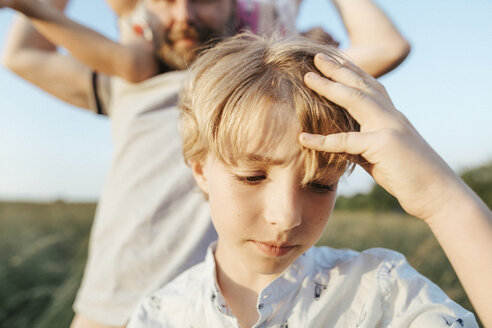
[(274, 249)]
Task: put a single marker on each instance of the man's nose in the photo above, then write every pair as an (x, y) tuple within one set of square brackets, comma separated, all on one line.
[(284, 208), (184, 11)]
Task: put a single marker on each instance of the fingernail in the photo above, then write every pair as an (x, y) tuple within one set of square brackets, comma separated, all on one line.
[(313, 75), (306, 136), (324, 57)]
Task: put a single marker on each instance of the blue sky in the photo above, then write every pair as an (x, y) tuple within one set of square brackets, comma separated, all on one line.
[(49, 150)]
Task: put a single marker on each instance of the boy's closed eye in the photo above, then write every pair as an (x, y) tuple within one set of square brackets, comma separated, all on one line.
[(315, 186), (321, 188), (250, 179)]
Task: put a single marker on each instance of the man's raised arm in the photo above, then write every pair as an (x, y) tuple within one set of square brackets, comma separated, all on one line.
[(35, 59), (375, 44), (31, 52)]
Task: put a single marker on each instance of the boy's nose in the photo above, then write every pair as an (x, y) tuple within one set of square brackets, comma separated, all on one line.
[(284, 208)]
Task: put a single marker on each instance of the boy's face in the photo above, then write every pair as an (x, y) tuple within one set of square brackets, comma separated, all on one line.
[(182, 26), (264, 217)]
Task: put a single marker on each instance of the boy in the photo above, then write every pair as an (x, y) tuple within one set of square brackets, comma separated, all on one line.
[(145, 194), (244, 113)]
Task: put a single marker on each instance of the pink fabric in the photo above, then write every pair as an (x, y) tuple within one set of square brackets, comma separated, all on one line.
[(267, 16), (249, 14)]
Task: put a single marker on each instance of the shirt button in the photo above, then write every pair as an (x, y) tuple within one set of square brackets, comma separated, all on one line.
[(260, 306)]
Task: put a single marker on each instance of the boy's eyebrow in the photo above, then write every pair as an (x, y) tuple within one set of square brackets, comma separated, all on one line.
[(256, 158)]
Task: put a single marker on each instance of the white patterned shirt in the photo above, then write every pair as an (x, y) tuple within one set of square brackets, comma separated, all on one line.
[(323, 288)]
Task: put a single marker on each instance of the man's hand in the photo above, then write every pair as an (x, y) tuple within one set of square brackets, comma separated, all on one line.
[(398, 158)]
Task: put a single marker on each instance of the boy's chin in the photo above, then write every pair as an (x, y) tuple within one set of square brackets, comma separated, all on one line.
[(275, 267)]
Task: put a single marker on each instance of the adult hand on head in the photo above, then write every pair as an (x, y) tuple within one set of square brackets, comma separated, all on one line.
[(399, 159)]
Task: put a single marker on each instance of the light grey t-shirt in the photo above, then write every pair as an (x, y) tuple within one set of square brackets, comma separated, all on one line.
[(152, 221)]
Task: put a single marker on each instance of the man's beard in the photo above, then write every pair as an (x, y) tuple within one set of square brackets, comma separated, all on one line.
[(179, 58)]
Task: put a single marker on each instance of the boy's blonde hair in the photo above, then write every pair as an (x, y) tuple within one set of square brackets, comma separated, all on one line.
[(233, 84)]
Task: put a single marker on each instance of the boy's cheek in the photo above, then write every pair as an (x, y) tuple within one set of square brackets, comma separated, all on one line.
[(238, 200), (320, 209)]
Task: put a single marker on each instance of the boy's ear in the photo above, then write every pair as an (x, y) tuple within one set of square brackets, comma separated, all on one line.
[(197, 168)]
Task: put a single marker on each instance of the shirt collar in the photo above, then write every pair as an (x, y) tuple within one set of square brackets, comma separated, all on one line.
[(284, 287), (216, 296)]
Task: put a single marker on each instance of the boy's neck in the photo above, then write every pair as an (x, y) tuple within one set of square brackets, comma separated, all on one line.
[(240, 288), (239, 298)]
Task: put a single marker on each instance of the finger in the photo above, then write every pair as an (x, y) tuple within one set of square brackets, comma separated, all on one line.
[(345, 72), (358, 103), (336, 71), (367, 77), (350, 65), (355, 143)]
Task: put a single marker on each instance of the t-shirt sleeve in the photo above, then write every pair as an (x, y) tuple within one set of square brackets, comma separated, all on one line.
[(414, 301), (100, 95)]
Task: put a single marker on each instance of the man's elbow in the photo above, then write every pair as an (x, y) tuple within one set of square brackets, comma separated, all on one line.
[(16, 62), (400, 50), (10, 62), (390, 57)]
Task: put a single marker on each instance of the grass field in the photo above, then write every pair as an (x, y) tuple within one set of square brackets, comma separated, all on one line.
[(43, 249), (42, 255)]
